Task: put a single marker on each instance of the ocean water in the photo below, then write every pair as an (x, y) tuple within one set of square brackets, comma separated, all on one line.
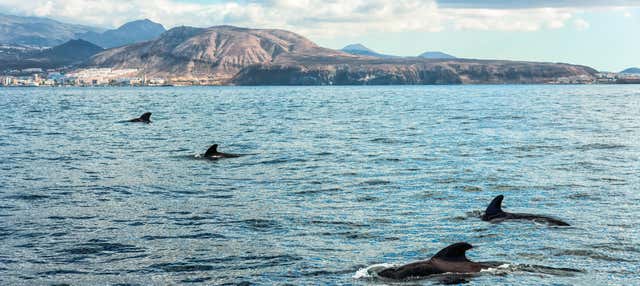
[(333, 180)]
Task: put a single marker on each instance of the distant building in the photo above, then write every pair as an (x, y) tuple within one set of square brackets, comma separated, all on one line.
[(156, 82), (136, 81), (55, 75), (100, 76), (23, 81), (579, 79), (632, 76), (7, 81), (607, 77)]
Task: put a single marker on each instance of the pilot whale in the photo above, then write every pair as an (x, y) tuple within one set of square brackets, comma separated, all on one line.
[(494, 213), (144, 118), (451, 259), (212, 153)]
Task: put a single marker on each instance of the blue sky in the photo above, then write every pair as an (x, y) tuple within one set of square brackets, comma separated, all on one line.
[(601, 34), (610, 42)]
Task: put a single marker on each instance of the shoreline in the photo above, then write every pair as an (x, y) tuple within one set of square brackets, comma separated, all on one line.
[(344, 85)]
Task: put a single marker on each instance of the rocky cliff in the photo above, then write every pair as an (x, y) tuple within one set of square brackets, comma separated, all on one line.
[(412, 71)]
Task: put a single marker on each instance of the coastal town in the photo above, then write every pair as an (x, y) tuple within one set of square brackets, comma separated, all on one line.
[(37, 77)]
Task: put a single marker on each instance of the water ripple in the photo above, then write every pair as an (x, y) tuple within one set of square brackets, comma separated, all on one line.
[(333, 179)]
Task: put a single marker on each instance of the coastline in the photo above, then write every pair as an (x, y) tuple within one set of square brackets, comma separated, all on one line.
[(293, 86)]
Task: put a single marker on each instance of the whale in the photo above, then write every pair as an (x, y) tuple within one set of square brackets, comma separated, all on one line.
[(212, 153), (494, 213), (451, 259), (144, 118)]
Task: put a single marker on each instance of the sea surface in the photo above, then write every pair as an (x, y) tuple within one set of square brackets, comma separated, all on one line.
[(333, 181)]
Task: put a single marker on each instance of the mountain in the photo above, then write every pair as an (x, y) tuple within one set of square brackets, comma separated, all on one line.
[(39, 32), (129, 33), (232, 55), (361, 50), (45, 32), (436, 55), (216, 53), (13, 52), (70, 53), (631, 71)]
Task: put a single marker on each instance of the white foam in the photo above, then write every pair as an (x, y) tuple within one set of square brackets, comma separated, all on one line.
[(372, 271), (497, 268)]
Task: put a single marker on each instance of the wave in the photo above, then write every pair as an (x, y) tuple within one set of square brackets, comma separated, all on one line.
[(496, 268)]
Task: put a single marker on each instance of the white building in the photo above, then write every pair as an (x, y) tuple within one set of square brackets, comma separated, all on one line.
[(100, 76), (7, 81), (156, 82)]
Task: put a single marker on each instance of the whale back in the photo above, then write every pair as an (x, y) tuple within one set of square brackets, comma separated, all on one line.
[(211, 151), (495, 208), (146, 116), (450, 259), (455, 252)]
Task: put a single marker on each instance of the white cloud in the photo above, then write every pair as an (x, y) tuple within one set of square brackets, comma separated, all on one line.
[(317, 18), (581, 24), (508, 20), (44, 9), (515, 4)]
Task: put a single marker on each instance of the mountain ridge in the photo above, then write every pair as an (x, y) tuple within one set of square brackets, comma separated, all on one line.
[(436, 55), (361, 50), (633, 70), (129, 33), (219, 51), (38, 31), (70, 53), (243, 56)]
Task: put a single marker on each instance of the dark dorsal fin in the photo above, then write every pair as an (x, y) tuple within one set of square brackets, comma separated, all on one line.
[(495, 207), (146, 116), (454, 252), (211, 151)]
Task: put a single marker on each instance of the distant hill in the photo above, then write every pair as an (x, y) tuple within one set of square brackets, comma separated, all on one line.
[(241, 56), (38, 32), (217, 52), (70, 53), (361, 50), (436, 55), (631, 71), (8, 52), (129, 33)]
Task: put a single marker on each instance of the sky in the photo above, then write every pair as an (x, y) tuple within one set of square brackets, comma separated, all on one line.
[(600, 34)]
